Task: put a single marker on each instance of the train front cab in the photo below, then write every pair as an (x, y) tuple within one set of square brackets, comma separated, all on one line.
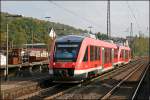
[(87, 65), (63, 62)]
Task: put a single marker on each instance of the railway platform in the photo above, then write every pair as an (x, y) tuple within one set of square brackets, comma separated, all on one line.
[(25, 66), (21, 85)]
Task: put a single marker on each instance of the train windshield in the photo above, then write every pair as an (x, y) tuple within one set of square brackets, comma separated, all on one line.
[(66, 52)]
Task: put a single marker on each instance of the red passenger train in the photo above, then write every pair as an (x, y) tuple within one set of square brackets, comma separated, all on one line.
[(76, 58)]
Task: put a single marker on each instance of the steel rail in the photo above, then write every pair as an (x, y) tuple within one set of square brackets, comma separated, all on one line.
[(61, 93), (88, 82), (38, 92), (106, 96), (135, 93)]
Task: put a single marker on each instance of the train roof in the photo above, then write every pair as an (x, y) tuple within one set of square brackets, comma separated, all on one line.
[(124, 47), (88, 40), (101, 43), (71, 38)]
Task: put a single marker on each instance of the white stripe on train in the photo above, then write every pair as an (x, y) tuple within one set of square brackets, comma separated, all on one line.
[(86, 70), (77, 72)]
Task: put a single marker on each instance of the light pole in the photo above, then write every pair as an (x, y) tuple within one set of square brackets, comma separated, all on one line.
[(131, 39), (108, 20), (48, 17), (90, 28), (7, 35)]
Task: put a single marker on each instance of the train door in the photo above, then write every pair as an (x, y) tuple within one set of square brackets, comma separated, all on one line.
[(103, 57), (86, 59), (112, 55)]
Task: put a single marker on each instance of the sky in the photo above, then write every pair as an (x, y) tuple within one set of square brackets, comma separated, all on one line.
[(82, 14)]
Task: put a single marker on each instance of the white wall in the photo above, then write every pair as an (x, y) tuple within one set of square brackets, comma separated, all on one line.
[(3, 59)]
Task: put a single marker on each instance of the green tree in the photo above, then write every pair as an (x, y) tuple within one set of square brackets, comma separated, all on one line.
[(21, 29), (101, 36), (141, 46)]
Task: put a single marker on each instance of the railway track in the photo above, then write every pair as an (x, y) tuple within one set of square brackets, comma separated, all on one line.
[(117, 91), (61, 89), (25, 87), (137, 90), (45, 92), (97, 87), (37, 94), (33, 91)]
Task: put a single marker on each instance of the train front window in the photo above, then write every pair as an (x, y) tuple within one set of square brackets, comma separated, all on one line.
[(66, 52)]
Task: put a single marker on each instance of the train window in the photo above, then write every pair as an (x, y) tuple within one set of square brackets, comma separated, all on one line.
[(86, 55), (66, 52), (115, 53), (108, 57), (121, 54), (95, 54), (129, 54), (91, 53), (98, 53), (126, 54)]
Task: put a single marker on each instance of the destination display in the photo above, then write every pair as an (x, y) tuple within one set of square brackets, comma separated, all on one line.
[(67, 45)]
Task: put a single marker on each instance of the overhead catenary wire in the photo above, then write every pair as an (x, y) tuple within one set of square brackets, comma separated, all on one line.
[(77, 15), (132, 15), (129, 7), (68, 11)]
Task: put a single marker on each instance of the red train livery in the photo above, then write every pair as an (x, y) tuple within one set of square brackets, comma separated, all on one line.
[(76, 58)]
